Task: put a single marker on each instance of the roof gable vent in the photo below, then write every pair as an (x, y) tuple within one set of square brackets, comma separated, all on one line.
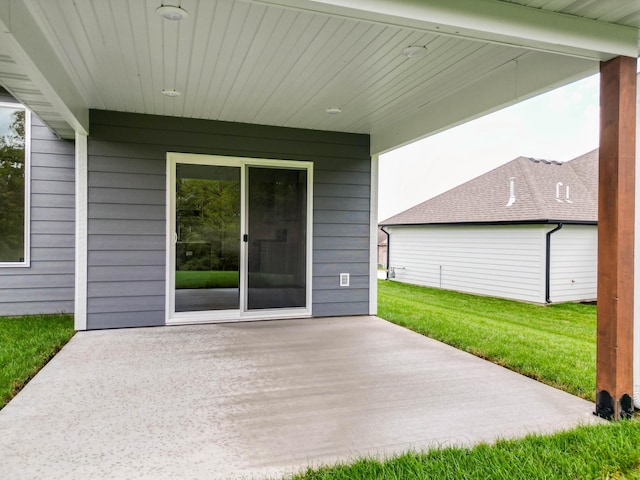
[(512, 191)]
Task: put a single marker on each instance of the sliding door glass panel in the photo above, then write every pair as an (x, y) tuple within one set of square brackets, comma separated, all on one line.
[(277, 238), (208, 238)]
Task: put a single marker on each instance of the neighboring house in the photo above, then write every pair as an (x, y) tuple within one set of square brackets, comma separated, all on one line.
[(526, 230), (382, 249)]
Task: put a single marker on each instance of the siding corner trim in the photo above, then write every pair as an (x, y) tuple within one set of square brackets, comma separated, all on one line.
[(81, 237)]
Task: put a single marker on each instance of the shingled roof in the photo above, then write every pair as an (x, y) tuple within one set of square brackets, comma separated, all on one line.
[(540, 192)]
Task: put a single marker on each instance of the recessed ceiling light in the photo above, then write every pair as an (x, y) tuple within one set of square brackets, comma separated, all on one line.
[(333, 110), (171, 93), (414, 51), (172, 13)]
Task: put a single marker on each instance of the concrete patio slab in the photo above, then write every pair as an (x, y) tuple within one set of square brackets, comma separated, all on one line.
[(250, 400)]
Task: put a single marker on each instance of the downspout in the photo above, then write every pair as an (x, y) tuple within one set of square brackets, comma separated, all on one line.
[(388, 248), (547, 273)]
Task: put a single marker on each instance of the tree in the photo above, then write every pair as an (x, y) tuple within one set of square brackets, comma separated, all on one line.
[(208, 218)]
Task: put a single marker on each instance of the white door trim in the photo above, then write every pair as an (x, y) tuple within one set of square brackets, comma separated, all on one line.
[(241, 314)]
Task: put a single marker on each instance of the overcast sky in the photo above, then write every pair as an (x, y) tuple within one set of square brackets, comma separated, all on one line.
[(559, 125)]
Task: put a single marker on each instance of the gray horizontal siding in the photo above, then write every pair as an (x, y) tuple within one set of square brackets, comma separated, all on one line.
[(339, 309), (60, 280), (126, 304), (39, 241), (127, 164), (233, 143), (61, 201), (337, 204), (109, 211), (47, 286), (341, 239), (334, 269), (124, 287), (52, 188), (110, 242), (142, 318), (344, 243), (125, 196), (332, 283), (36, 306), (128, 257)]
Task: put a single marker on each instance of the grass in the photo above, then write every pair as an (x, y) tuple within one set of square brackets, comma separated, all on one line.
[(595, 452), (555, 344), (26, 345), (206, 279)]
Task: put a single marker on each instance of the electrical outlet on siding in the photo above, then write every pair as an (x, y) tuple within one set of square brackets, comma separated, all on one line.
[(344, 279)]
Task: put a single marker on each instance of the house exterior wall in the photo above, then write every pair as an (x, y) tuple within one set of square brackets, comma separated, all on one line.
[(382, 255), (574, 263), (127, 219), (501, 261), (47, 285)]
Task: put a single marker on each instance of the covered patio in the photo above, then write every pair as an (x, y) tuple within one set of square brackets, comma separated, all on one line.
[(262, 399), (330, 82)]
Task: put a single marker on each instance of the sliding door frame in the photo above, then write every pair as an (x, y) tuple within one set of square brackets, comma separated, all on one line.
[(242, 313)]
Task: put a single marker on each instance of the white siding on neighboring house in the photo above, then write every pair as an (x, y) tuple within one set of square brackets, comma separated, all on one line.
[(501, 261), (574, 263)]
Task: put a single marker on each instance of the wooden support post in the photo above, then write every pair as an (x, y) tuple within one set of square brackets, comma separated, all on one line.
[(614, 375)]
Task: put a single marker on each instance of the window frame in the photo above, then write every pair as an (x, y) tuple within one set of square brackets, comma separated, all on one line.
[(26, 263)]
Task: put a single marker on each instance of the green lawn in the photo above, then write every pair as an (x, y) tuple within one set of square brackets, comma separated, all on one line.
[(596, 452), (206, 279), (26, 344), (555, 344)]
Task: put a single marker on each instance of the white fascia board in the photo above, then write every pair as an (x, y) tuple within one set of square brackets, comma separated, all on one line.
[(489, 21), (529, 75), (30, 48)]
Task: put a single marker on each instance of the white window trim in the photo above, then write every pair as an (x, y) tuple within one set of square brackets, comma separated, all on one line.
[(26, 263)]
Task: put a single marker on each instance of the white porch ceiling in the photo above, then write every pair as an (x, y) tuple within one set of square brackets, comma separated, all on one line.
[(280, 62)]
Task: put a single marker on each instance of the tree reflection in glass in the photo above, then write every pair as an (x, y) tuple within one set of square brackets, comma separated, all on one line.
[(208, 232), (12, 192)]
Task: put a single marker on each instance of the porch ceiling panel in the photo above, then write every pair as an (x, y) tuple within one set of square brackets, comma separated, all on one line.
[(284, 63), (247, 62)]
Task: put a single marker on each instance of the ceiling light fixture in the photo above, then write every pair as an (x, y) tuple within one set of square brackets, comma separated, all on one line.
[(414, 51), (171, 93), (333, 110), (171, 12)]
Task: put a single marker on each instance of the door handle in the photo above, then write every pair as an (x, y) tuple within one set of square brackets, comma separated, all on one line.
[(175, 237), (245, 238)]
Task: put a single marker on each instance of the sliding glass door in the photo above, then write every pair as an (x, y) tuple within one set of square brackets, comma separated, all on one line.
[(238, 239), (277, 246), (207, 249)]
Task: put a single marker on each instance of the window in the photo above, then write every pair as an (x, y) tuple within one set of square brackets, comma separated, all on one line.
[(14, 185)]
